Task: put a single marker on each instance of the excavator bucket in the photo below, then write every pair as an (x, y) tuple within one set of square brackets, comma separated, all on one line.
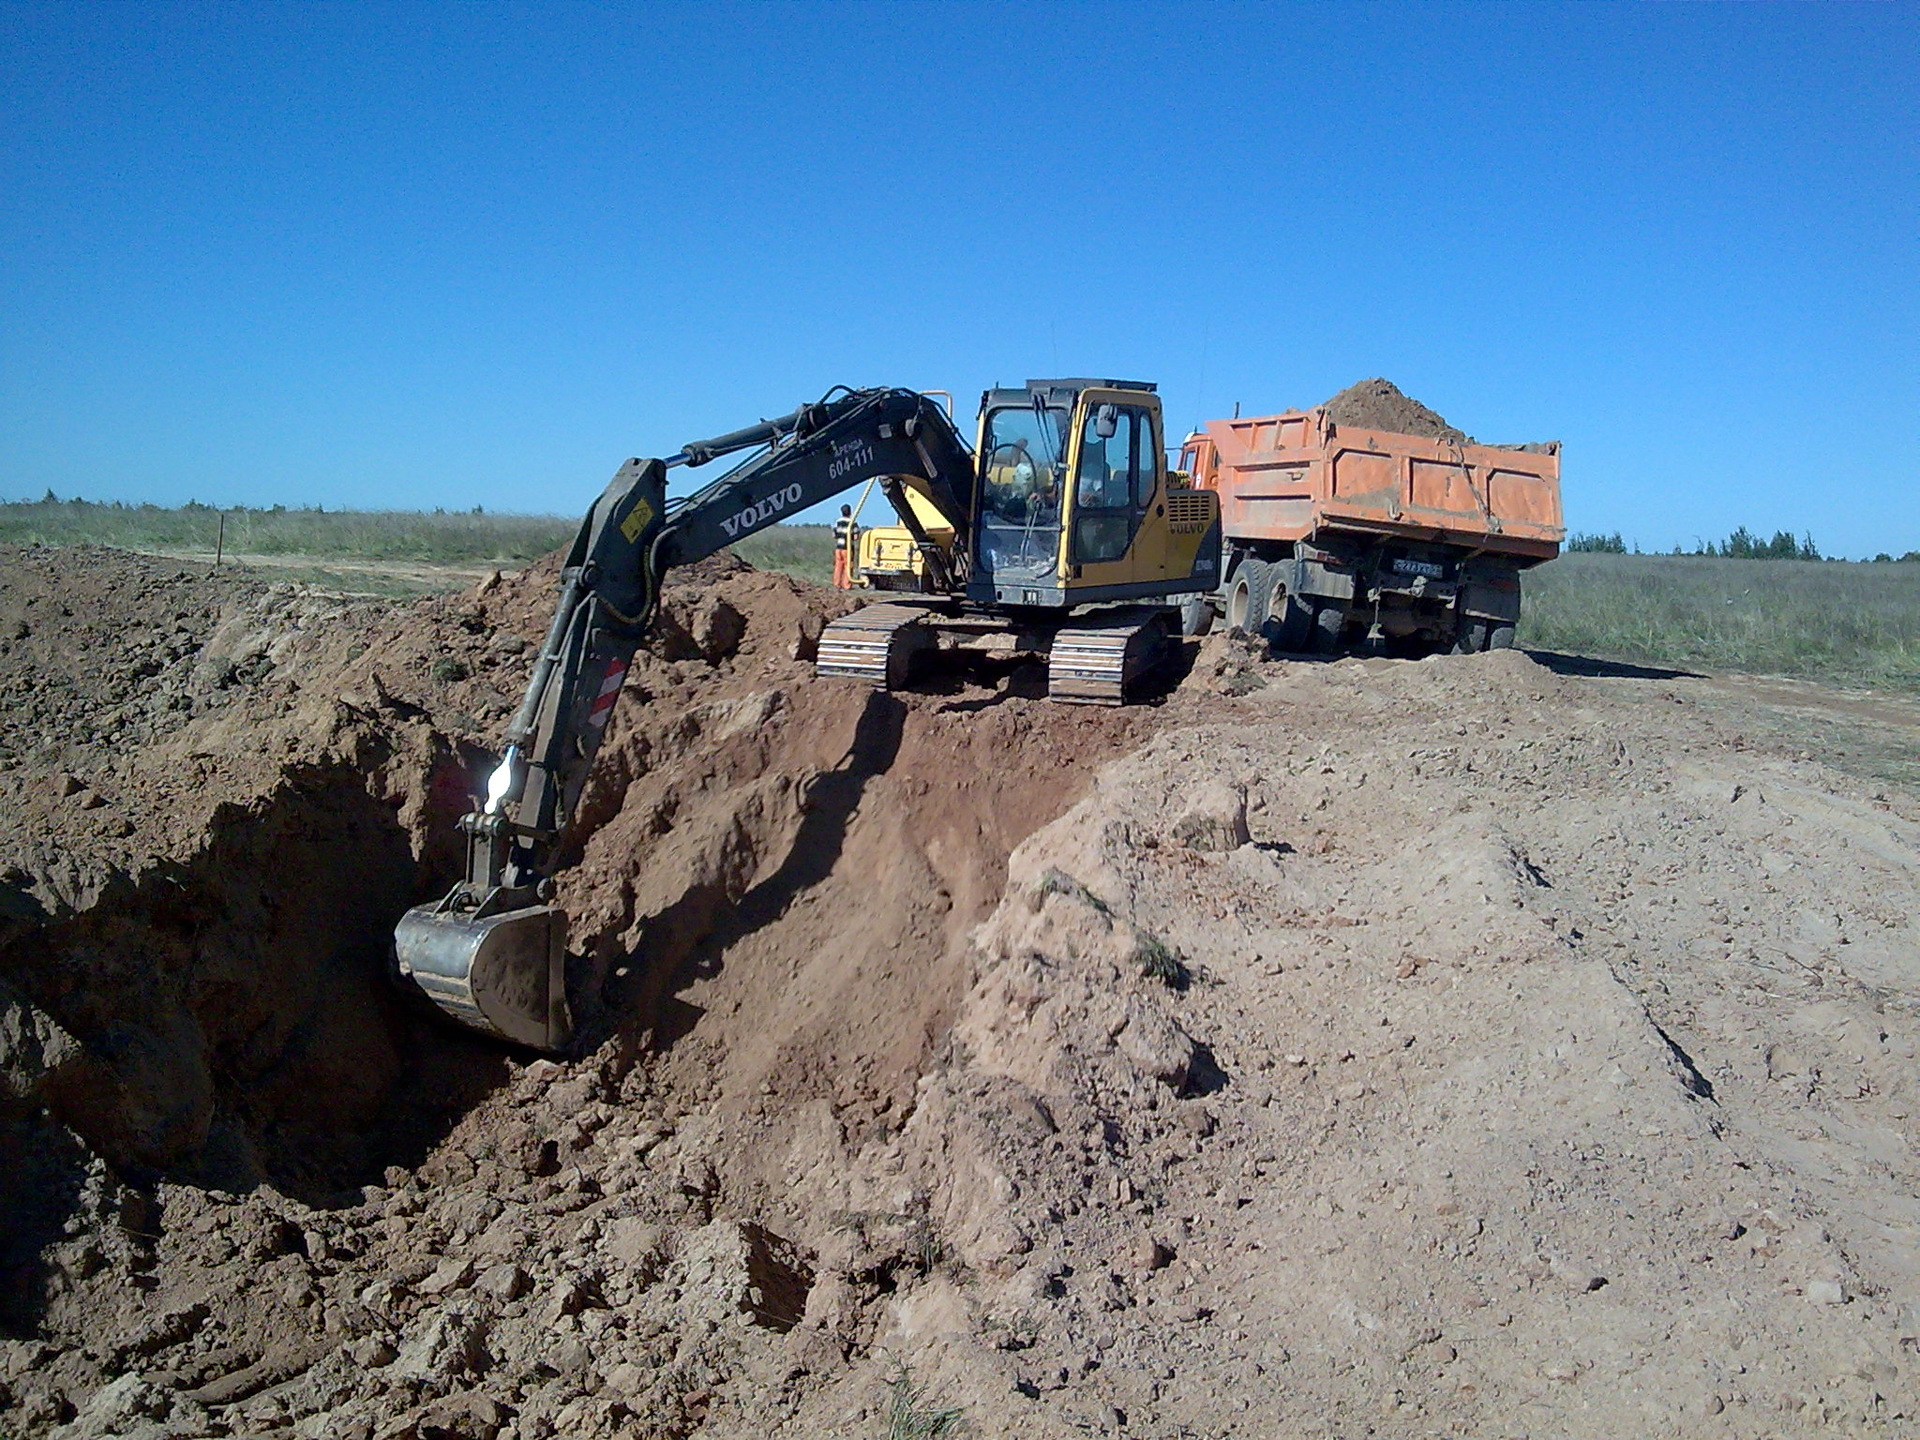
[(503, 974)]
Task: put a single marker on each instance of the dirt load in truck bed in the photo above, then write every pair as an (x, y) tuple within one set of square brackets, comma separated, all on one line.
[(1466, 1046), (1379, 405)]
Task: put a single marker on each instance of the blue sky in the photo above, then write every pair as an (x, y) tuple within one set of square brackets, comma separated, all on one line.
[(458, 254)]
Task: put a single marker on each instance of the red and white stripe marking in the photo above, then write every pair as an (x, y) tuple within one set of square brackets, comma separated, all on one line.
[(609, 692)]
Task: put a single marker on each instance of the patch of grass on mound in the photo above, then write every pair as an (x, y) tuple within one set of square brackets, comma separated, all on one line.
[(911, 1415)]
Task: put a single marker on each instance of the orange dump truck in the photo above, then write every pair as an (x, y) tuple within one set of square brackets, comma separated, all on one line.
[(1340, 536)]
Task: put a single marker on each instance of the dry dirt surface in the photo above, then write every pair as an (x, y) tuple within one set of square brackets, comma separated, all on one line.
[(1474, 1046)]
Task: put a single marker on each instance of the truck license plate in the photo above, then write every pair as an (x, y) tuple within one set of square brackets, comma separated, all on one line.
[(1419, 567)]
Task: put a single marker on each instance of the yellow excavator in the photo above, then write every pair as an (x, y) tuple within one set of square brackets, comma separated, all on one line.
[(1063, 533)]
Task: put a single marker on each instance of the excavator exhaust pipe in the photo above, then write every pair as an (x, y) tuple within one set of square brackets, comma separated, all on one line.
[(502, 974)]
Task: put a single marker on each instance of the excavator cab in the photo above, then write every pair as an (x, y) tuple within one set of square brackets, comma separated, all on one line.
[(1076, 505)]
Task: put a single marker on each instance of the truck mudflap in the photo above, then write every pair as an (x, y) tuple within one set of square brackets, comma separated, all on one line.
[(1313, 575), (1490, 592)]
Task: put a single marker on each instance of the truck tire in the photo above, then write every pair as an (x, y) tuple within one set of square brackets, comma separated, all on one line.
[(1249, 596), (1479, 636), (1329, 620), (1290, 624), (1196, 615)]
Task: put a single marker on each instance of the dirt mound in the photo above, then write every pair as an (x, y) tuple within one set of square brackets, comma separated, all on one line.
[(1378, 405), (1393, 1048), (775, 883)]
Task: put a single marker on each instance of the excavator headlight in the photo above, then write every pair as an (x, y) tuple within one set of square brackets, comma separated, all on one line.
[(504, 782)]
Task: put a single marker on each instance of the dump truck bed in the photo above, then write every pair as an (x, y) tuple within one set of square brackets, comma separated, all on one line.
[(1295, 475)]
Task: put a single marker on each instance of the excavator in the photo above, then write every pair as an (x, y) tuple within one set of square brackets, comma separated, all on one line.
[(1063, 531)]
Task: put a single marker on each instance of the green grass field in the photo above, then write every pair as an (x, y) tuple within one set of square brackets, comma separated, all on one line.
[(1828, 620), (436, 539), (803, 551), (366, 536)]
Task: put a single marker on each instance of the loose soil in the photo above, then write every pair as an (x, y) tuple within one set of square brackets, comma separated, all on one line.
[(1482, 1045), (1379, 405)]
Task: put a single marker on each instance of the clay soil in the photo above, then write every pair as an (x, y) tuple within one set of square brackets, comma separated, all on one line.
[(1489, 1045)]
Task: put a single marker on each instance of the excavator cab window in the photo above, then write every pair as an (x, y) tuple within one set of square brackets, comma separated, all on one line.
[(1113, 483), (1021, 470)]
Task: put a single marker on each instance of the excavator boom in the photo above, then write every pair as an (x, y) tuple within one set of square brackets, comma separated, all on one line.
[(491, 952)]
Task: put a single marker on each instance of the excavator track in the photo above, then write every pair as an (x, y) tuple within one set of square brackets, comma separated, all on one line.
[(1101, 660), (876, 643)]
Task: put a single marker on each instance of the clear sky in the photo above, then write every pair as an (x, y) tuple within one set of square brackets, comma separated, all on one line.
[(418, 255)]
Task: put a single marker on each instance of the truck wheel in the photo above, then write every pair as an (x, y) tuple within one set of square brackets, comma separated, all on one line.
[(1196, 615), (1329, 620), (1249, 596), (1471, 638), (1500, 637), (1290, 628)]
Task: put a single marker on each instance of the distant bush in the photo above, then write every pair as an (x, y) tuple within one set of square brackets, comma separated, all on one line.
[(1596, 544)]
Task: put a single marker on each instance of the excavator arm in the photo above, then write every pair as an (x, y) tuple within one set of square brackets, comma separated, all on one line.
[(491, 952)]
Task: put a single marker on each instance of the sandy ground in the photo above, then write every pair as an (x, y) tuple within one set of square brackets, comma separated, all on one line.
[(1486, 1045)]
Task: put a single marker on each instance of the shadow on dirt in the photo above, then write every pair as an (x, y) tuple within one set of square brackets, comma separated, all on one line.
[(1205, 1077), (1587, 667), (706, 923), (227, 1023), (43, 1171)]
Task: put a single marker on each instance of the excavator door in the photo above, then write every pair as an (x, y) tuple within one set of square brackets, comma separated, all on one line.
[(1132, 534), (1018, 522)]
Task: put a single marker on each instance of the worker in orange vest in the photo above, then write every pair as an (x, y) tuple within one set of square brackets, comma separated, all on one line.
[(844, 536)]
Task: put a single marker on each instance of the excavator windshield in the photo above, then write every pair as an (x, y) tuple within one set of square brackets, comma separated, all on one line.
[(1020, 469)]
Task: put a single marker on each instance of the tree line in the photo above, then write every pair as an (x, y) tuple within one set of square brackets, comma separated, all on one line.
[(1742, 544)]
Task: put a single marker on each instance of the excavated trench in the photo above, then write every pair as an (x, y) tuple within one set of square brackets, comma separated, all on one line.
[(770, 899), (226, 1023)]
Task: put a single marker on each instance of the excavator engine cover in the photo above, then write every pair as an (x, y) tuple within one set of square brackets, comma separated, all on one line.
[(504, 974)]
